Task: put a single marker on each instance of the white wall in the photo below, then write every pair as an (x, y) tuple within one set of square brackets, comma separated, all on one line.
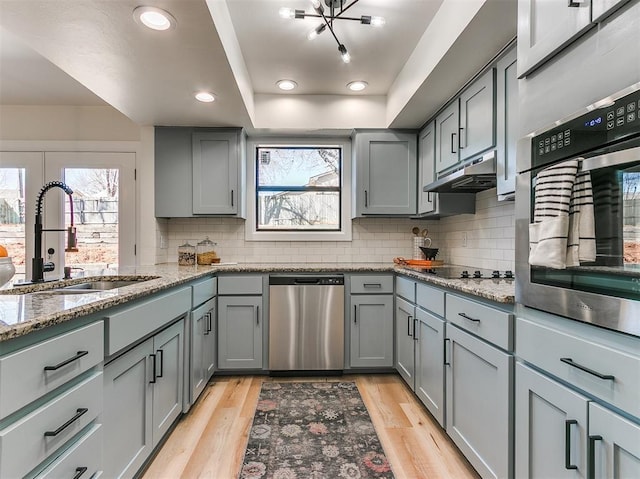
[(490, 239)]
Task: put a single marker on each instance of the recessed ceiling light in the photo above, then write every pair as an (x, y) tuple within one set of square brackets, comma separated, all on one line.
[(154, 18), (205, 97), (357, 85), (286, 85)]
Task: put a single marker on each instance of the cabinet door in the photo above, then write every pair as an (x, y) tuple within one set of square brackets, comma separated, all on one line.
[(426, 168), (371, 331), (545, 27), (199, 323), (386, 176), (240, 332), (405, 357), (447, 141), (429, 363), (551, 428), (210, 344), (477, 116), (215, 172), (167, 386), (614, 445), (173, 172), (127, 411), (507, 123), (601, 8), (479, 401)]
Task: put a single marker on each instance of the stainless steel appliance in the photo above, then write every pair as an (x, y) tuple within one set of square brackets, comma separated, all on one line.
[(474, 176), (306, 323), (605, 136), (470, 273)]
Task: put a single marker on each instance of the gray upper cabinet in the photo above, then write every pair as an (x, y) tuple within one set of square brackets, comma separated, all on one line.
[(216, 159), (426, 167), (385, 173), (545, 27), (199, 171), (447, 141), (551, 428), (602, 8), (240, 332), (507, 123), (477, 116)]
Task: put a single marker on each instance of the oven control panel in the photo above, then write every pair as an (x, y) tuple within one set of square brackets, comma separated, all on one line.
[(611, 123)]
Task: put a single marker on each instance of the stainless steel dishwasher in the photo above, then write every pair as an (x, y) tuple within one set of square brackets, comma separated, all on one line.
[(306, 323)]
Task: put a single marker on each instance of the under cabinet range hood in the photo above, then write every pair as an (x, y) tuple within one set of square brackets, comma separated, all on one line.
[(473, 177)]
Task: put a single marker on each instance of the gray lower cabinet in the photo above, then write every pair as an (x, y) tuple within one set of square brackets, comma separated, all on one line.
[(550, 428), (385, 173), (545, 27), (240, 331), (143, 396), (614, 445), (507, 124), (478, 402), (203, 347), (405, 340), (371, 331), (429, 368)]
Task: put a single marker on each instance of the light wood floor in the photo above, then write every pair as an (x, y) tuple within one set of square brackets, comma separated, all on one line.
[(209, 442)]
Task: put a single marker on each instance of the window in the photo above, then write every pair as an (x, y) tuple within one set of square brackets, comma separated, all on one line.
[(298, 188)]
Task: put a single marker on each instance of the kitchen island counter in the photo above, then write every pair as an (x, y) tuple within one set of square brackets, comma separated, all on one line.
[(30, 310)]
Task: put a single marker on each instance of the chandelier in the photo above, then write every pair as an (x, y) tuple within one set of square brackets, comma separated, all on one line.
[(336, 10)]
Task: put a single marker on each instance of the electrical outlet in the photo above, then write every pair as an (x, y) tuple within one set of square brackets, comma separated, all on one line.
[(464, 239), (163, 241)]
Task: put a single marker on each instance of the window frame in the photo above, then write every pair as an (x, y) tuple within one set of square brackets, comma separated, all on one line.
[(343, 234)]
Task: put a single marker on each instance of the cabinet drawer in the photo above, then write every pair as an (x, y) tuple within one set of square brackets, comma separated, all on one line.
[(406, 288), (131, 324), (23, 444), (371, 284), (240, 285), (86, 452), (430, 299), (490, 324), (546, 347), (204, 291), (23, 377)]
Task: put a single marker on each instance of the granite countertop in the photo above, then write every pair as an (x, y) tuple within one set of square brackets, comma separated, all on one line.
[(33, 309)]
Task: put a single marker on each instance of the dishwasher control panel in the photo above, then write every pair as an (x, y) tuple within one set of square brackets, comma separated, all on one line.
[(307, 280)]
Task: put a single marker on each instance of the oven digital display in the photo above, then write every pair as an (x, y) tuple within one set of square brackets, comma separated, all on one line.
[(593, 122)]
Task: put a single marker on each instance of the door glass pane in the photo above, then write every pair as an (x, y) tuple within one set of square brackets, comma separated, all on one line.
[(12, 216), (95, 216)]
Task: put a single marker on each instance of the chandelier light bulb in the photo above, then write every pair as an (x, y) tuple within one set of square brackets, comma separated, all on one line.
[(344, 53), (316, 31), (378, 21), (287, 12)]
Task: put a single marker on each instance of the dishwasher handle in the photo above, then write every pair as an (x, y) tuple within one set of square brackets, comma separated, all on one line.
[(306, 281)]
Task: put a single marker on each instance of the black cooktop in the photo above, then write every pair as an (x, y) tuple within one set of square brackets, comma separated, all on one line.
[(468, 272)]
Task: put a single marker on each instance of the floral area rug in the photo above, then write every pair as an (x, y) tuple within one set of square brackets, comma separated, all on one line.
[(313, 430)]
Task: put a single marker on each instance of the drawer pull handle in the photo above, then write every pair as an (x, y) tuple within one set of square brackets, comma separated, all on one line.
[(366, 199), (67, 361), (567, 443), (155, 365), (570, 362), (464, 315), (232, 198), (372, 285), (79, 412), (79, 472), (592, 456)]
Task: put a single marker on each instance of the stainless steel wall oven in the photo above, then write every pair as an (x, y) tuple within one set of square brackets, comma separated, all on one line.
[(578, 215)]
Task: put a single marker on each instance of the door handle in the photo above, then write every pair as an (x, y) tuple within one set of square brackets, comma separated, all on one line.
[(591, 468), (79, 412), (232, 198), (153, 358), (257, 314), (446, 341), (575, 3), (206, 323), (415, 336), (366, 199), (567, 443), (453, 137), (79, 472), (161, 354), (355, 313), (460, 138), (409, 321)]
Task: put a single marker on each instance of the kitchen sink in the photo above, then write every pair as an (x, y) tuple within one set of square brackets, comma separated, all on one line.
[(93, 286)]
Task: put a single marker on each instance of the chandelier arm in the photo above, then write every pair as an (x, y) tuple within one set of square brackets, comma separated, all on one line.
[(342, 10), (326, 21), (315, 15)]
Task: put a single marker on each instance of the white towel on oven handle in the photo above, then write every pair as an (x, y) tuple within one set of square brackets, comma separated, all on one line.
[(581, 241)]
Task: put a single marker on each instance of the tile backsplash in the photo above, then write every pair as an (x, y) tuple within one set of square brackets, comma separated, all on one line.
[(489, 239)]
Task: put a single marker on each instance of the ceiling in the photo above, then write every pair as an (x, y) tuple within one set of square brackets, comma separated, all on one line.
[(92, 52)]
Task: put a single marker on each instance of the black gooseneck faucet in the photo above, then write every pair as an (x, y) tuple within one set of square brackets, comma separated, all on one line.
[(38, 266)]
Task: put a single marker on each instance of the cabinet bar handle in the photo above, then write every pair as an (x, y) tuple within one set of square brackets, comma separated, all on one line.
[(206, 323), (415, 336), (231, 198), (372, 285), (460, 139), (161, 353), (257, 314), (575, 3), (409, 321), (153, 357), (429, 200), (79, 472), (591, 468), (67, 361), (366, 199), (570, 362), (355, 313), (210, 321), (79, 412), (465, 316), (446, 341), (453, 135), (567, 443)]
